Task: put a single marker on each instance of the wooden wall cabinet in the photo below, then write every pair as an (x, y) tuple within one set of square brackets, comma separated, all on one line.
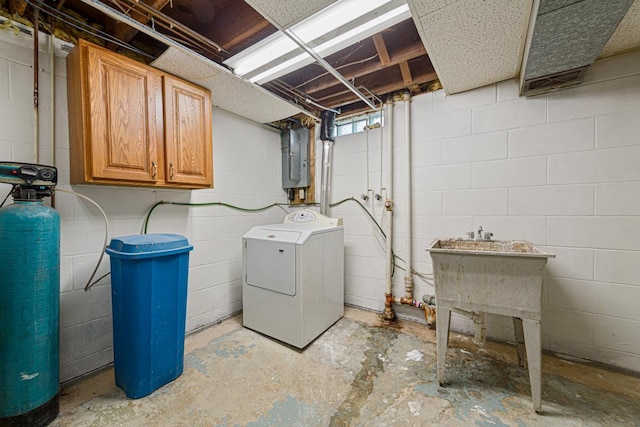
[(130, 124)]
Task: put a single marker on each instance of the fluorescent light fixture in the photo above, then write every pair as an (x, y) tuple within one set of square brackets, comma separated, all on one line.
[(277, 54), (333, 45)]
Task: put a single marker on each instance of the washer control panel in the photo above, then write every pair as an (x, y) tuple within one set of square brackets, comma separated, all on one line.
[(302, 216), (307, 216)]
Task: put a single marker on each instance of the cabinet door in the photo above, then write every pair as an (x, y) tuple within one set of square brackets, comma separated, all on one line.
[(125, 119), (188, 145)]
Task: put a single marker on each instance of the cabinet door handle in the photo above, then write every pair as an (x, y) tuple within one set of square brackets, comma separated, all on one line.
[(154, 168), (170, 170)]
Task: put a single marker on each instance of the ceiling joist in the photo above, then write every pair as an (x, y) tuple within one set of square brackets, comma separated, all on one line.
[(338, 99), (362, 69), (381, 48), (406, 73)]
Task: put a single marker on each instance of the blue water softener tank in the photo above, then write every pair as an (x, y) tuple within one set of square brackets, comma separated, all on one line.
[(29, 313)]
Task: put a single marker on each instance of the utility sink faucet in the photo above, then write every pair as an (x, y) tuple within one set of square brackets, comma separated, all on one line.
[(479, 236)]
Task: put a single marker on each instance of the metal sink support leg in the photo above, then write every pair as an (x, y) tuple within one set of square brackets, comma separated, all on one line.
[(443, 318), (534, 358), (527, 334), (519, 333)]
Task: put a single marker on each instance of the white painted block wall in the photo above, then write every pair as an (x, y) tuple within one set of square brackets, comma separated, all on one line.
[(560, 170), (247, 173)]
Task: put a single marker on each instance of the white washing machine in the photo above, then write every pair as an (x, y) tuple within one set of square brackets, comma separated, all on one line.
[(293, 277)]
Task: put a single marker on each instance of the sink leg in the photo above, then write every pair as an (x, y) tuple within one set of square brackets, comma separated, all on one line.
[(443, 318), (534, 357), (519, 333), (480, 329)]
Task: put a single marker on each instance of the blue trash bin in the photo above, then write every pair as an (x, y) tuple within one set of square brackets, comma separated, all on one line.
[(149, 275)]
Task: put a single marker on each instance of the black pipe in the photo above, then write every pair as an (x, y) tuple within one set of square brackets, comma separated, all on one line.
[(328, 126)]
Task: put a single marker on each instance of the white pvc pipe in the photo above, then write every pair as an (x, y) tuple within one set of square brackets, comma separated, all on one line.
[(381, 144), (367, 159), (408, 279), (36, 95), (52, 85), (389, 202)]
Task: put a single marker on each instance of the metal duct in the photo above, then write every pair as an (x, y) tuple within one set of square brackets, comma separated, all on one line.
[(327, 136), (566, 37)]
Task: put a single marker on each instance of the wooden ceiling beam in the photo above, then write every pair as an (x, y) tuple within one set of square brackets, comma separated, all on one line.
[(247, 32), (406, 73), (124, 32), (343, 98), (236, 24), (381, 48), (358, 70)]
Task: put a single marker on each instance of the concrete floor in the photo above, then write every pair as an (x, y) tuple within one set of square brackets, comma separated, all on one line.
[(361, 372)]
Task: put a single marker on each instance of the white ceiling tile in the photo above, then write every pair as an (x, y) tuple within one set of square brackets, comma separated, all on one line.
[(475, 43), (425, 7), (627, 35), (286, 13), (180, 64), (228, 92)]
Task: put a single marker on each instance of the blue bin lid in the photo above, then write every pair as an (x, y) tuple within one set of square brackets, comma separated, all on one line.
[(148, 245)]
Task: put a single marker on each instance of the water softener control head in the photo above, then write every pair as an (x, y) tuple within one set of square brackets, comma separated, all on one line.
[(28, 174), (30, 181)]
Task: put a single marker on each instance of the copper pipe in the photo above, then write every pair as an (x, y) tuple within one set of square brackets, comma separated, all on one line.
[(429, 310), (388, 313)]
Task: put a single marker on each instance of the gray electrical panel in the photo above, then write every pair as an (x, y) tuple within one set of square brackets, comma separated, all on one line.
[(295, 158)]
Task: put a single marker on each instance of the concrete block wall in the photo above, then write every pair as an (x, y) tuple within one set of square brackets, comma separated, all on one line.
[(246, 173), (560, 170)]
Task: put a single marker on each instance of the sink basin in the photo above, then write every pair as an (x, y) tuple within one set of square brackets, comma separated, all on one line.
[(488, 247), (493, 276)]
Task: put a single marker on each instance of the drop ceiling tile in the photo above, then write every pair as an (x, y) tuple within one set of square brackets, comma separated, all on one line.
[(475, 43), (627, 35), (228, 92), (180, 64), (288, 12), (425, 7)]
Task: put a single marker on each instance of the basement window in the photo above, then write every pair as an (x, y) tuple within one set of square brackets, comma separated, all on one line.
[(357, 124)]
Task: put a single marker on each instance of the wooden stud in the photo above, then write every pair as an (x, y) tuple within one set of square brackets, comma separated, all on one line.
[(310, 193)]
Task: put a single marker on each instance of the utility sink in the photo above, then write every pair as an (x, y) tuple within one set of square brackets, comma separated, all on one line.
[(492, 276), (488, 247)]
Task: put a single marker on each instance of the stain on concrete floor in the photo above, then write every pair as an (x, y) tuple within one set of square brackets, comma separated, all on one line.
[(377, 348), (361, 372)]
